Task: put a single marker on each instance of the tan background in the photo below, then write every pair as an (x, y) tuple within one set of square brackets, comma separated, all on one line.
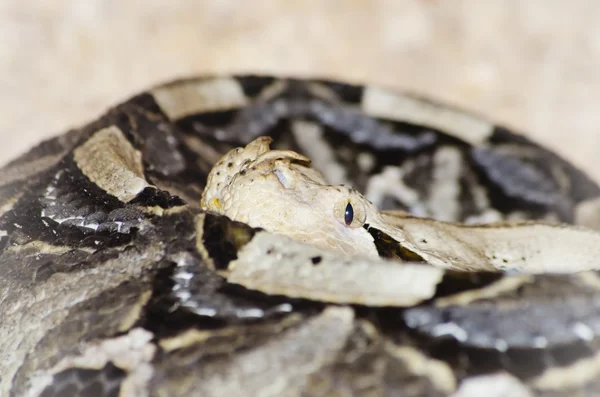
[(533, 64)]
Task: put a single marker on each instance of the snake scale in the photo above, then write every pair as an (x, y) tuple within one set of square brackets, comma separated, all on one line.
[(116, 282)]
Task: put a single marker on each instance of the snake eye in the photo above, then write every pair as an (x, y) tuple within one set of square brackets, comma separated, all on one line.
[(350, 212)]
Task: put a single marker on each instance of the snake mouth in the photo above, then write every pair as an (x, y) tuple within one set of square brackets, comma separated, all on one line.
[(388, 247)]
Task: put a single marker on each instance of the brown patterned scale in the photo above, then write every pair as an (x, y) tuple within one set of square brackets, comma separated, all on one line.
[(115, 283)]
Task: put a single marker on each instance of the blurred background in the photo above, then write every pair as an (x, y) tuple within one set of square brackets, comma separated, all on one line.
[(533, 66)]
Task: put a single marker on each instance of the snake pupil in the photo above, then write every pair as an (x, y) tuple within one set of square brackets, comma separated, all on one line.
[(348, 214)]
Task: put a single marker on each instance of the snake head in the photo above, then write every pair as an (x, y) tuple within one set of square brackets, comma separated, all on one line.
[(279, 191)]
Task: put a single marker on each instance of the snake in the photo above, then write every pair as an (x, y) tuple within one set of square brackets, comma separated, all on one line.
[(264, 236)]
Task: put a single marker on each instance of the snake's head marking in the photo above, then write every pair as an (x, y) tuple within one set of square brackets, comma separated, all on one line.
[(277, 190)]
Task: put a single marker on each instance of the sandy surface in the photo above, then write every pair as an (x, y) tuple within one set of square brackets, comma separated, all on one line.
[(532, 65)]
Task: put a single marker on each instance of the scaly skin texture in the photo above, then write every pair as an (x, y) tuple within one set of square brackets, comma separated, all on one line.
[(114, 281)]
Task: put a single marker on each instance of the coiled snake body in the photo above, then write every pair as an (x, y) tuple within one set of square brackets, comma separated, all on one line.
[(120, 277)]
